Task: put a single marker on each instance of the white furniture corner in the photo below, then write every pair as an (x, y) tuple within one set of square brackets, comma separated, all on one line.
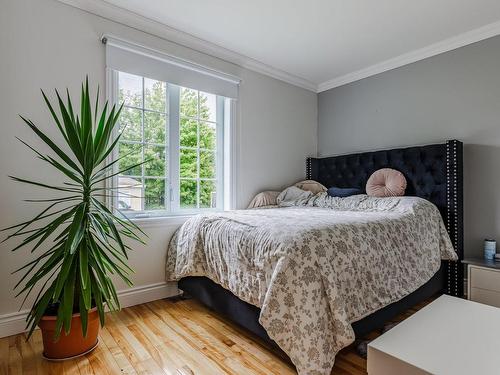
[(483, 281), (449, 336)]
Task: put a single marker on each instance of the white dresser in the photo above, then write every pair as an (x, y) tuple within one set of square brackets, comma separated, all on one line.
[(483, 281)]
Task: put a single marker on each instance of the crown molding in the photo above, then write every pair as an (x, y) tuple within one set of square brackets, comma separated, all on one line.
[(461, 40), (114, 13)]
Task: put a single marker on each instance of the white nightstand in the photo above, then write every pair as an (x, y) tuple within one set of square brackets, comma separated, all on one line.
[(483, 281)]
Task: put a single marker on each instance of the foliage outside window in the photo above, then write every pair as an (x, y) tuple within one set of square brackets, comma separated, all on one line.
[(177, 131)]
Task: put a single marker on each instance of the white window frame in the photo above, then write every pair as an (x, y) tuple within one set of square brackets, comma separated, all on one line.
[(225, 162)]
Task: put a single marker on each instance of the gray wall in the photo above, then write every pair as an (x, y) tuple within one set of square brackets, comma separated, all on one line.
[(46, 44), (453, 95)]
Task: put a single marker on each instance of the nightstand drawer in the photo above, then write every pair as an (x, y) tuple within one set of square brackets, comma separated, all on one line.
[(484, 279), (488, 297)]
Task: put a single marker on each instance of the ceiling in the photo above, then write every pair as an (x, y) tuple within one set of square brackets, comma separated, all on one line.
[(325, 43)]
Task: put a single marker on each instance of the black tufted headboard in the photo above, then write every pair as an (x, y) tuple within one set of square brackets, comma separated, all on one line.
[(433, 172)]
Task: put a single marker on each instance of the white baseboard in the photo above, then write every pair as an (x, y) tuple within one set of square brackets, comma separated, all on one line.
[(14, 323), (147, 293)]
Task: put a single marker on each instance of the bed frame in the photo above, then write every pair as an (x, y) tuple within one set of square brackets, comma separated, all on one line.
[(433, 172)]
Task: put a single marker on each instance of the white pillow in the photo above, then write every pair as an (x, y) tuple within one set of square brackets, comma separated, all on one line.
[(291, 194)]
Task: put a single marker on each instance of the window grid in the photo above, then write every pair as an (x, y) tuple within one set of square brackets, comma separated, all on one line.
[(198, 150), (143, 180), (143, 144), (172, 202), (144, 109), (132, 142)]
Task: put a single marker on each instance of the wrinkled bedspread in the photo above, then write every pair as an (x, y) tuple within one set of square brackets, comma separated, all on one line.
[(315, 267)]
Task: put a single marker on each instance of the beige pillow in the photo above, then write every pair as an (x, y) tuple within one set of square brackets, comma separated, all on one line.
[(266, 198), (386, 182), (311, 185)]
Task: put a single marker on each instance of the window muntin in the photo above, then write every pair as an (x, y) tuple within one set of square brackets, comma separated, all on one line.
[(184, 172), (197, 149)]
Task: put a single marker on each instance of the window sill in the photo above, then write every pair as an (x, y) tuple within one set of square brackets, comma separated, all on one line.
[(172, 219), (161, 221)]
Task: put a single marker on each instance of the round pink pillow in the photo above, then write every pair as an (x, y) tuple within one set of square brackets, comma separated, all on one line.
[(386, 182)]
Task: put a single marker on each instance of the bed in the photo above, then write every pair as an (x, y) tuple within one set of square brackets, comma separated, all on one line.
[(433, 172)]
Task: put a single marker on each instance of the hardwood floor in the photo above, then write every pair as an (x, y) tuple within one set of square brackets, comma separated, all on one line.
[(178, 337)]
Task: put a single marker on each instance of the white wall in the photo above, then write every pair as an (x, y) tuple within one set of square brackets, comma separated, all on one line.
[(46, 44), (455, 95)]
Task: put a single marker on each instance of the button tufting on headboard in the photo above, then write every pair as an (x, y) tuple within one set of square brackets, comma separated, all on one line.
[(423, 168)]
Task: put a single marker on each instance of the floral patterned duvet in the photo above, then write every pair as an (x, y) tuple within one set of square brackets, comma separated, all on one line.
[(315, 267)]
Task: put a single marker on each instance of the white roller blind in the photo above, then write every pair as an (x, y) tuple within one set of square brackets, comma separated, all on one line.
[(139, 60)]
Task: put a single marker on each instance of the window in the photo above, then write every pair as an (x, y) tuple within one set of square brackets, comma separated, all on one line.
[(177, 118), (179, 133)]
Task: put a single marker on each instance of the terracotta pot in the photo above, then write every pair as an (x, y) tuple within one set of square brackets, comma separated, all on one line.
[(73, 344)]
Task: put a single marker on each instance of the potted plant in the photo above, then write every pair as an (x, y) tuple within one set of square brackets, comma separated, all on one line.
[(77, 239)]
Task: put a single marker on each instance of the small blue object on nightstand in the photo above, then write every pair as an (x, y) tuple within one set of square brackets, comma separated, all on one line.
[(490, 249)]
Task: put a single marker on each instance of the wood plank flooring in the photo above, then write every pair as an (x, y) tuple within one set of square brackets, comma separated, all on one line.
[(175, 337)]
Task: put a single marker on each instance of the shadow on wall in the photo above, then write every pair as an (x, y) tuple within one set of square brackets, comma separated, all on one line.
[(481, 196)]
